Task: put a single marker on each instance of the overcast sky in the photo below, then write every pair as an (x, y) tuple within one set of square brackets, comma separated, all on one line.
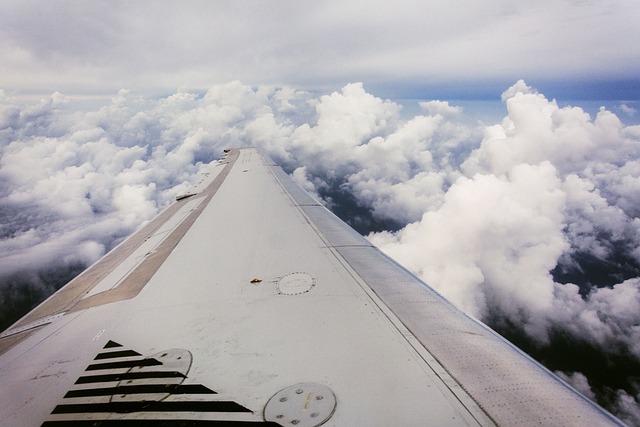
[(403, 49)]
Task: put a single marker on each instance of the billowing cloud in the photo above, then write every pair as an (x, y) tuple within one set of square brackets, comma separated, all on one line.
[(530, 223), (579, 382), (493, 238), (543, 184)]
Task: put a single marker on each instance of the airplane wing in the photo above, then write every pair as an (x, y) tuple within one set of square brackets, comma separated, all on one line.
[(246, 302)]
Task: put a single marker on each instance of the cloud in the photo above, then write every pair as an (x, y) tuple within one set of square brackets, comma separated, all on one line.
[(628, 110), (493, 242), (626, 406), (314, 45), (530, 223), (579, 382), (440, 107), (538, 187), (359, 143)]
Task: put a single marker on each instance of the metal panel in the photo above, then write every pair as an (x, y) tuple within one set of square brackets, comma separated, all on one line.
[(300, 196), (507, 384)]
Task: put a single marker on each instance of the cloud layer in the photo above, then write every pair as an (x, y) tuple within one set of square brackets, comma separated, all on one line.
[(93, 46), (530, 223), (542, 187)]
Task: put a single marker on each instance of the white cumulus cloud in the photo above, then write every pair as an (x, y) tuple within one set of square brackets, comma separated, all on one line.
[(492, 216)]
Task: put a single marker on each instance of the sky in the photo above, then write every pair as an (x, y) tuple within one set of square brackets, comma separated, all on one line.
[(398, 50), (523, 211)]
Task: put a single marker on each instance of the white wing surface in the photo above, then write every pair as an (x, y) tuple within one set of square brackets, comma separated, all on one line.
[(248, 303)]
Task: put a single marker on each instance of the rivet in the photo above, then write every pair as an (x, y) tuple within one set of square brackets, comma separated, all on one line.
[(294, 422), (279, 416), (299, 391), (319, 397), (314, 414), (283, 399)]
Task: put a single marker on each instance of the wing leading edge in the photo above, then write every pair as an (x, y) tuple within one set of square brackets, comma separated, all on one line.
[(247, 302)]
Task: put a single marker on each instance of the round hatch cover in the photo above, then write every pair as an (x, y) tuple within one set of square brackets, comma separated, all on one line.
[(296, 283), (301, 405)]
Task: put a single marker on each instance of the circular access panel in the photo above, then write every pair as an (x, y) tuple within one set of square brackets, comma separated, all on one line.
[(301, 405), (296, 283)]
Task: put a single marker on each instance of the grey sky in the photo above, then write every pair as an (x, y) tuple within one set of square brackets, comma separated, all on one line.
[(399, 46)]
